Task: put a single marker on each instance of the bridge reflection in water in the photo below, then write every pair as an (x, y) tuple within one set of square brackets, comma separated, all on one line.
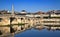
[(36, 32)]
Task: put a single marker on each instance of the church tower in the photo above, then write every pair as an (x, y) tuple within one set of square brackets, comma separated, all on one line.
[(12, 10)]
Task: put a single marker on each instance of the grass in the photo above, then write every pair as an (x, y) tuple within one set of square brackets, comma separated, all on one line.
[(19, 24)]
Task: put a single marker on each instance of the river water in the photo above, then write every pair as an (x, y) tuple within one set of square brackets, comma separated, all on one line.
[(39, 33)]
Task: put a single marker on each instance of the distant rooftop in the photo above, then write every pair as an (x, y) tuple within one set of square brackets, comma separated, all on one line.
[(25, 12)]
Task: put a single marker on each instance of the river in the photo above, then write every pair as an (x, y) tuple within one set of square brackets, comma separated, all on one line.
[(39, 33)]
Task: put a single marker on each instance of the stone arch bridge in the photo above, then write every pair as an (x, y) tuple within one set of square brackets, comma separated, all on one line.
[(5, 19)]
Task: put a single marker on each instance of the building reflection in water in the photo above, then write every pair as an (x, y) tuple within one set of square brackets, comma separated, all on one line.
[(49, 28), (7, 29)]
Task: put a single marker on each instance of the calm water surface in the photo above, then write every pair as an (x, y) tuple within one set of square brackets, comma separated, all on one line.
[(39, 33)]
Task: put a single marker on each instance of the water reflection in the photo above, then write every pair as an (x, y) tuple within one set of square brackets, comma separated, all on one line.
[(40, 32), (49, 28), (37, 31)]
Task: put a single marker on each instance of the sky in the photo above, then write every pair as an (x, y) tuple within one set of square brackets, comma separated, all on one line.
[(30, 5)]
